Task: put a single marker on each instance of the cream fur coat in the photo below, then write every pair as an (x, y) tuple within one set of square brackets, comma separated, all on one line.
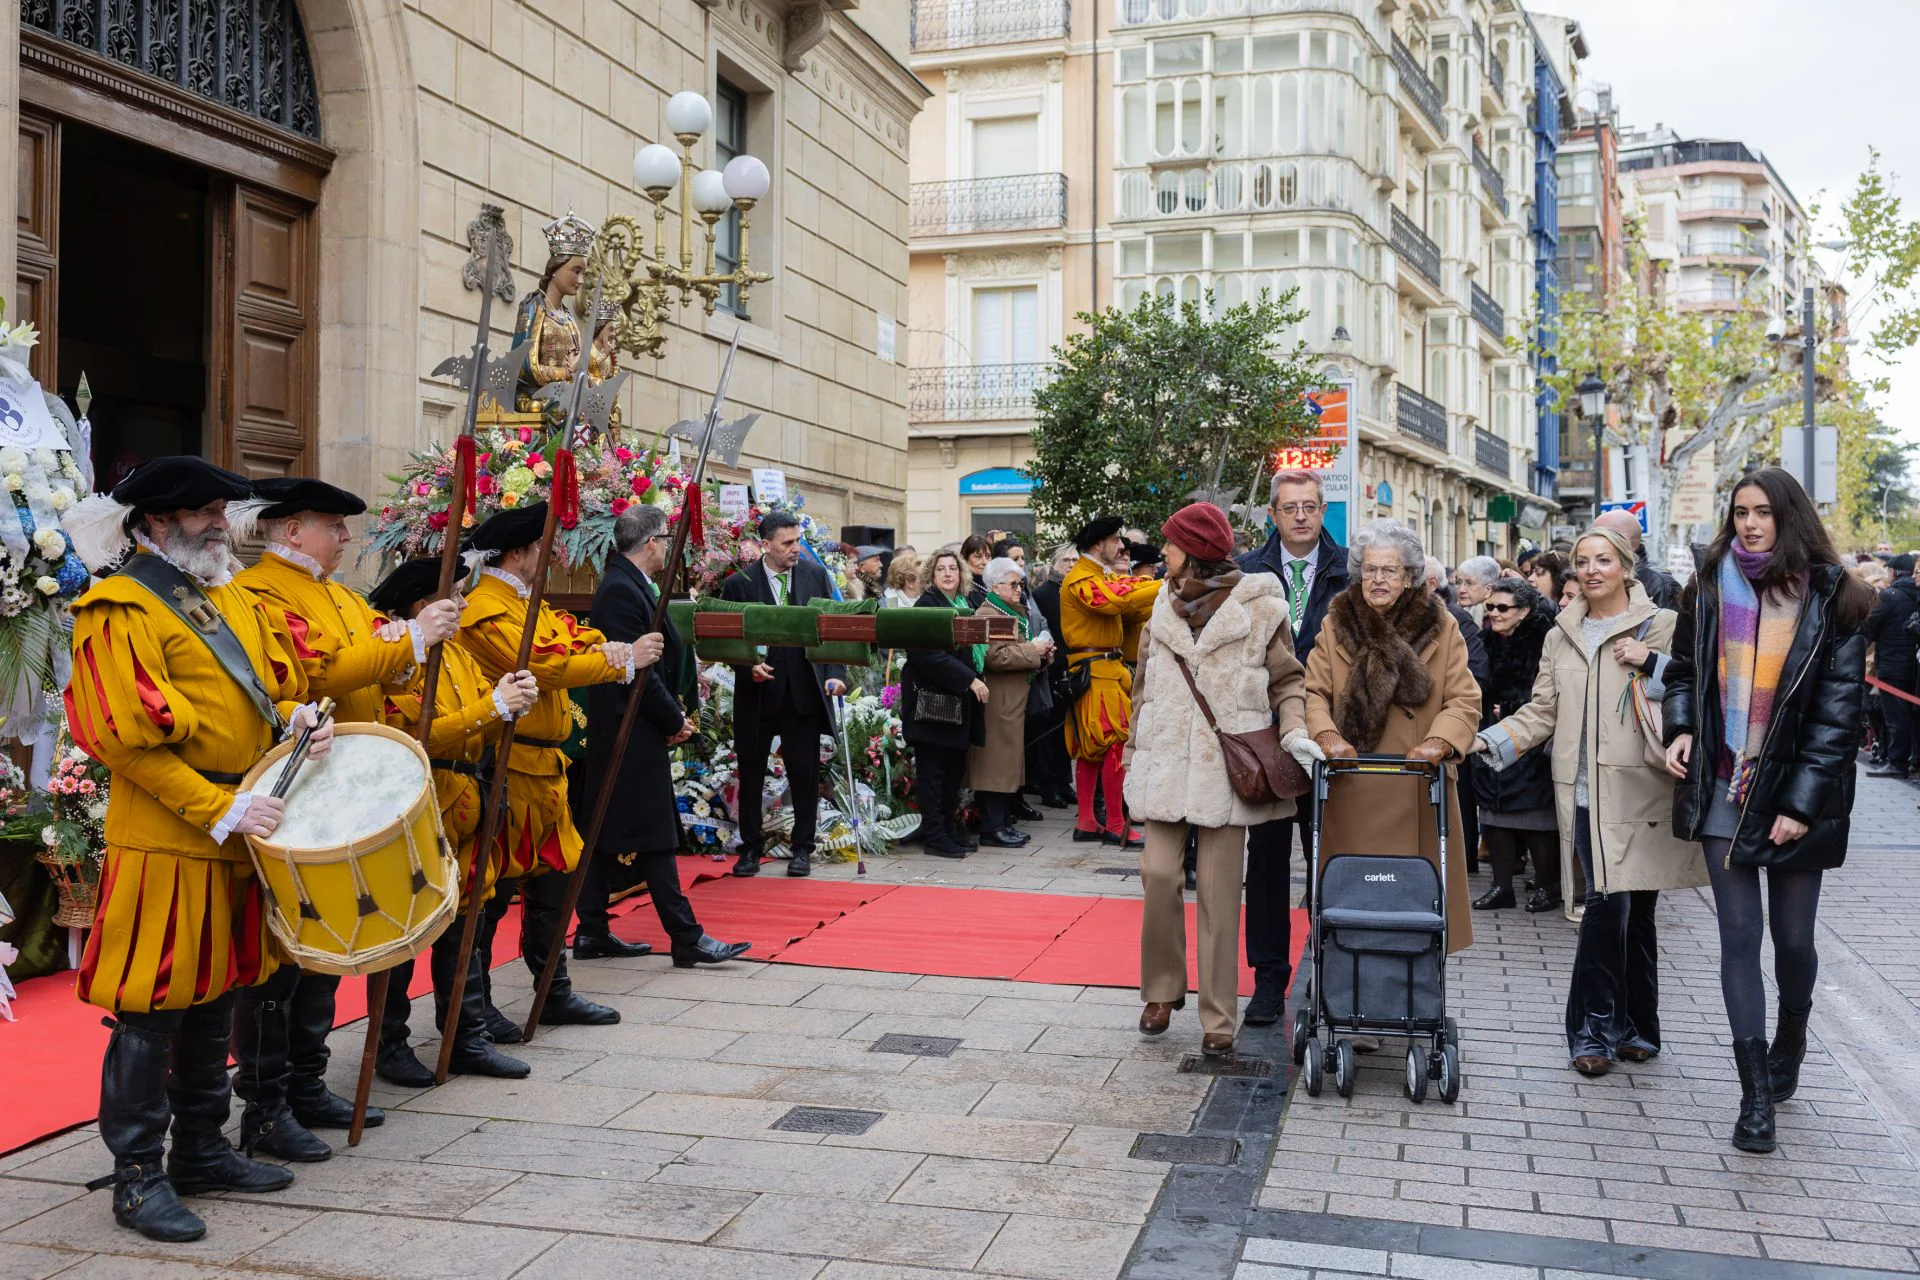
[(1243, 662)]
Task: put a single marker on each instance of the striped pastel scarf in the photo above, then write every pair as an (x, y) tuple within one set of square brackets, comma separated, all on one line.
[(1755, 634)]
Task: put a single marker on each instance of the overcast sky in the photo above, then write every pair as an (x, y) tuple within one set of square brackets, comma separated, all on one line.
[(1813, 86)]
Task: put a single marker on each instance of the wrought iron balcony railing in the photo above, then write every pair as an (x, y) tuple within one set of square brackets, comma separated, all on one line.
[(1419, 87), (1027, 202), (1490, 178), (1420, 417), (1488, 312), (1497, 75), (1415, 249), (1491, 452), (966, 392), (969, 24)]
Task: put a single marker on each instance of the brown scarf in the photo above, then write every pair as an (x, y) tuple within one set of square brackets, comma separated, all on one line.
[(1387, 670), (1198, 599)]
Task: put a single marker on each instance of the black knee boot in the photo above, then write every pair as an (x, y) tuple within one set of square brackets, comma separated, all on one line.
[(1789, 1048), (500, 1028), (134, 1109), (1753, 1131), (310, 1022), (202, 1159), (396, 1063), (539, 922), (473, 1051), (267, 1125)]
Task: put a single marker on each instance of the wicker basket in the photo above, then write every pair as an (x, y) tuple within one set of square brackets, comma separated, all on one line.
[(79, 889)]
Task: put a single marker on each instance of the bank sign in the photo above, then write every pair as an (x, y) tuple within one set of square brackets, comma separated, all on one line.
[(1001, 481)]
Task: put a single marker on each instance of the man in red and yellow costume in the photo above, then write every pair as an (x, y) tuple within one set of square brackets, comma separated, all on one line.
[(469, 717), (1100, 612), (182, 679), (281, 1026), (538, 836)]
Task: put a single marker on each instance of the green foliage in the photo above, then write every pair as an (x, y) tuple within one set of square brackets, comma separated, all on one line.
[(1149, 405), (1884, 255)]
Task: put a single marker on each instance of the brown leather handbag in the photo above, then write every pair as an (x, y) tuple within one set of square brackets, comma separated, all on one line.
[(1259, 769)]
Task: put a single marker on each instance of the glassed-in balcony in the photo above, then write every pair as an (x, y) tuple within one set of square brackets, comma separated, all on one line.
[(1025, 202), (1242, 186), (1135, 13), (974, 392), (970, 24)]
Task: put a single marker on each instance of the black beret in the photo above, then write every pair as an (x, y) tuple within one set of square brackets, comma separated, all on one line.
[(292, 495), (1901, 564), (1097, 531), (510, 530), (412, 581), (178, 483)]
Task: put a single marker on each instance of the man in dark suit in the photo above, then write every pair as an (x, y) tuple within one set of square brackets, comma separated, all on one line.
[(781, 695), (645, 822)]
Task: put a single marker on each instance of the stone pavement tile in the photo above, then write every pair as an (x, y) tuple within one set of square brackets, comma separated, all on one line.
[(1537, 1224), (639, 1039), (884, 1271), (1840, 1254), (21, 1200), (1484, 1197), (644, 1009), (838, 977), (841, 1173), (615, 1207), (31, 1262), (718, 1015), (1416, 1267), (108, 1266), (367, 1246), (573, 1150), (993, 1065), (1055, 1013), (387, 1186), (1695, 1197), (86, 1224), (1121, 1038), (1110, 995), (1059, 1248), (1020, 1101), (1316, 1257), (706, 1117), (913, 1002), (1059, 1191), (406, 1135), (901, 1233), (1140, 1076), (74, 1164), (1654, 1235), (582, 1255), (599, 979), (1006, 1037), (551, 1062), (972, 1136), (1776, 1224), (1613, 1210), (1834, 1200), (696, 985), (817, 1052), (526, 1100), (48, 1146), (877, 1093), (1091, 1146), (1294, 1199), (1874, 1232), (635, 1071), (997, 987), (1260, 1271), (1400, 1209)]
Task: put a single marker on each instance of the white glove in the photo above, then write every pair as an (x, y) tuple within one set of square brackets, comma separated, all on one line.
[(1305, 751)]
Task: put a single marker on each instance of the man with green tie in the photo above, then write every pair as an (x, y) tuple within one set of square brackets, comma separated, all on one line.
[(782, 695), (1312, 567)]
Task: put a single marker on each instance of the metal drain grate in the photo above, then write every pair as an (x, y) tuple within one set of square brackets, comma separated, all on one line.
[(920, 1046), (1116, 871), (1185, 1149), (836, 1120), (1201, 1065)]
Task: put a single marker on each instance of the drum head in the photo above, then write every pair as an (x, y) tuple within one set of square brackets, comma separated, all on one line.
[(365, 784)]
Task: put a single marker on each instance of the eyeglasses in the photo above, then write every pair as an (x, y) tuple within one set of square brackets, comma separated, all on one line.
[(1298, 508), (1383, 573), (1503, 608)]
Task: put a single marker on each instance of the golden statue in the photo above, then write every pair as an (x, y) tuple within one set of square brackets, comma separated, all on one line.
[(546, 316)]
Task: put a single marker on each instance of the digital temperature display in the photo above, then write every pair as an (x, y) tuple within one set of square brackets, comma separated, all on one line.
[(1298, 459)]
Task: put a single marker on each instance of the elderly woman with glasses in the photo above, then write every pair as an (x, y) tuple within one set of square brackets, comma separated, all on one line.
[(1388, 676), (996, 768)]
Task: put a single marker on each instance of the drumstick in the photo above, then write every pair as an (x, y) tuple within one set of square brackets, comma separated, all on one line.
[(298, 756)]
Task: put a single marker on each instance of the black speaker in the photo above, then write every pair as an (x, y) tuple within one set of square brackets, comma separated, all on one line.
[(867, 535)]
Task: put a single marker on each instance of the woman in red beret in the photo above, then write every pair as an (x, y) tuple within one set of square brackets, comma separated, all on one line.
[(1227, 633)]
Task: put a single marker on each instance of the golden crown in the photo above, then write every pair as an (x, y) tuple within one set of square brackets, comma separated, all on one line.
[(569, 236)]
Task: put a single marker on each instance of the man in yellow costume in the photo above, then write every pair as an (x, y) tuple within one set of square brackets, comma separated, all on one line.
[(537, 835), (182, 679), (1101, 613), (281, 1026), (469, 717)]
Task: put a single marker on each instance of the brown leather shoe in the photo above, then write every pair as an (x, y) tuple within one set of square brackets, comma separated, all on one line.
[(1155, 1017), (1636, 1053), (1217, 1046), (1588, 1064)]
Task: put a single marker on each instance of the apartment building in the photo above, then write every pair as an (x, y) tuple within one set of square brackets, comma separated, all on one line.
[(1375, 156)]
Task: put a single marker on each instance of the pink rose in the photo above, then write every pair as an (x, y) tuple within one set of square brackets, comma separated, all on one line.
[(623, 453), (526, 435)]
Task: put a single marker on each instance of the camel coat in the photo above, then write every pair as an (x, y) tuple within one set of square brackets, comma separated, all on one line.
[(1000, 765), (1390, 815), (1630, 815)]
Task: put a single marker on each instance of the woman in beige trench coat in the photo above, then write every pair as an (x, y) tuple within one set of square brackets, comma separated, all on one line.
[(1616, 819), (997, 770), (1389, 676)]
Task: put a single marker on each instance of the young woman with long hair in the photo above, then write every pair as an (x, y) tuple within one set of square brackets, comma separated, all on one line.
[(1762, 721)]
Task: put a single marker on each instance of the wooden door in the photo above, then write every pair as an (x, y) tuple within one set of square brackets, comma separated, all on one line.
[(264, 370), (36, 296)]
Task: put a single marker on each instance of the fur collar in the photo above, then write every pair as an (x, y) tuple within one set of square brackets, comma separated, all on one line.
[(1513, 661), (1231, 622), (1385, 652)]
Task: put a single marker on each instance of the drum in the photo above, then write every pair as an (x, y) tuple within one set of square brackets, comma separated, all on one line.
[(359, 875)]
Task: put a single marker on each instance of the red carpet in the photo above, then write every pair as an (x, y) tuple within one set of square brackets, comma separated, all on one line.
[(49, 1061), (957, 933)]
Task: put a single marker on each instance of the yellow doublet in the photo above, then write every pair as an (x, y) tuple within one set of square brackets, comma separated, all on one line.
[(539, 832), (465, 720), (334, 637), (1102, 612), (179, 920)]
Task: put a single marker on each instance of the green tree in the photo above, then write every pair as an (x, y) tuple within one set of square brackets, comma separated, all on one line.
[(1153, 405)]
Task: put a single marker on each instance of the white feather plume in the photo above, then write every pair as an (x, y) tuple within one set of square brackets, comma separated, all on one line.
[(98, 526), (472, 560), (243, 517)]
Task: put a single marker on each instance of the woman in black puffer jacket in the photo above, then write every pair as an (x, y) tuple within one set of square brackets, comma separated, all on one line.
[(1516, 803), (1762, 720)]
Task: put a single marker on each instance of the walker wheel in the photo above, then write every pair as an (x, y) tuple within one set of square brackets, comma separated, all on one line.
[(1299, 1036), (1416, 1073), (1449, 1074), (1313, 1067), (1453, 1033), (1346, 1068)]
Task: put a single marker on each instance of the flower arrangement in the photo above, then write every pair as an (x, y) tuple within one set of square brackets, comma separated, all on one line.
[(67, 821), (739, 546)]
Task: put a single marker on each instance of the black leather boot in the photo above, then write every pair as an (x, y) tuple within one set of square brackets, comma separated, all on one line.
[(202, 1159), (748, 864), (134, 1110), (800, 863), (1789, 1049), (539, 921), (314, 1105), (267, 1125), (473, 1051), (600, 944), (1269, 995), (500, 1028), (397, 1063), (1753, 1131)]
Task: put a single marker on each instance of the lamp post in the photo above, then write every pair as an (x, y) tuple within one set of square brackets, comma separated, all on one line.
[(1593, 407)]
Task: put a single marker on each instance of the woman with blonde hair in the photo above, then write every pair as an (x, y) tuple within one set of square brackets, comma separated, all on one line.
[(903, 581)]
